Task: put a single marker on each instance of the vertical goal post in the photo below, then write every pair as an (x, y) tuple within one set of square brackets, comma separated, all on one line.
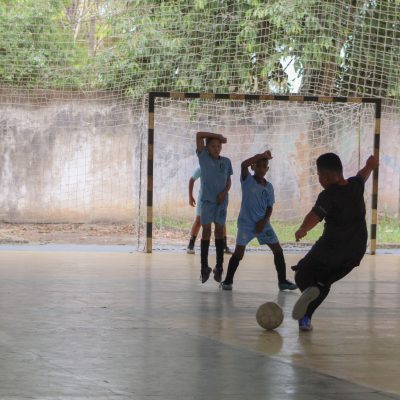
[(377, 102)]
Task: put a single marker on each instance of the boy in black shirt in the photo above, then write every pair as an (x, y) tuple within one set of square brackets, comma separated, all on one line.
[(344, 240)]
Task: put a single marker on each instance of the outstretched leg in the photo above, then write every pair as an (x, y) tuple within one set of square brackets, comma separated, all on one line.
[(280, 265), (314, 280), (219, 247), (234, 261), (205, 245)]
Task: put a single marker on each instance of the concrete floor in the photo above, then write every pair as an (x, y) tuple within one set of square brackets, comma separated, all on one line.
[(76, 325)]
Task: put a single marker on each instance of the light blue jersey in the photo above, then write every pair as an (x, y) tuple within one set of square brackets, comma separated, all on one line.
[(256, 198), (214, 175)]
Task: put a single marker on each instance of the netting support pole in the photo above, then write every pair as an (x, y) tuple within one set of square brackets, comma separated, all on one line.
[(150, 157), (375, 176)]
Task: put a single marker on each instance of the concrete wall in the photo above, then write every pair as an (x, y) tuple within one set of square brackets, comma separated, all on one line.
[(74, 159)]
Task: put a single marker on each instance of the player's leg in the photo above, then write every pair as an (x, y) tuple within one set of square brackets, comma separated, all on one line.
[(244, 235), (314, 280), (227, 250), (206, 218), (280, 265), (219, 249), (307, 280), (325, 278), (234, 261), (219, 220), (193, 234)]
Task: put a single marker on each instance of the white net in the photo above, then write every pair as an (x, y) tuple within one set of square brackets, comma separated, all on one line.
[(74, 75), (296, 133)]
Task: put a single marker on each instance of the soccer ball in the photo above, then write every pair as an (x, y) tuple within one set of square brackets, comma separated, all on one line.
[(269, 315)]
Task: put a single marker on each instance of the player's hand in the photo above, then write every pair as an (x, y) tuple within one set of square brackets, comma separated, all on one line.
[(300, 233), (221, 197), (260, 225), (192, 201), (267, 154), (372, 162), (222, 139)]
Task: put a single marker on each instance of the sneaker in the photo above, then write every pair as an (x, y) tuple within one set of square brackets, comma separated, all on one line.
[(190, 250), (226, 286), (227, 250), (307, 297), (287, 285), (305, 324), (217, 271), (205, 274)]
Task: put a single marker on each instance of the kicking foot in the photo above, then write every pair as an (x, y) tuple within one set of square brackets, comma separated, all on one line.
[(307, 297), (287, 285), (305, 324), (205, 274)]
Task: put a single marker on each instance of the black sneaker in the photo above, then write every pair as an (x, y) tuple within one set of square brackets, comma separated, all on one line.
[(227, 250), (190, 250), (217, 271), (226, 286), (205, 274), (301, 305), (287, 285)]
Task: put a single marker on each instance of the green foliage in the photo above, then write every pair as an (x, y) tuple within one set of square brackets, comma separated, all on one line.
[(388, 230), (218, 45), (34, 44)]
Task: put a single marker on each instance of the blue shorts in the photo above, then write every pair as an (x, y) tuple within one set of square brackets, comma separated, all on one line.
[(213, 212), (246, 233)]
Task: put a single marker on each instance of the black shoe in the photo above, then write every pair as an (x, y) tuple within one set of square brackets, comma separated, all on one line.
[(287, 285), (205, 274), (227, 250), (217, 271)]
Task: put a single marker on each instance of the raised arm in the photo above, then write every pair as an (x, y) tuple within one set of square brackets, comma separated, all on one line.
[(370, 165), (252, 160), (200, 136)]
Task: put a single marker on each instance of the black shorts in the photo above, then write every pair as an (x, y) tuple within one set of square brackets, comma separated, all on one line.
[(311, 271)]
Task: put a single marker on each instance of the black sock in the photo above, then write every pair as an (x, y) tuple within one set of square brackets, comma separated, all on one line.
[(191, 241), (280, 265), (225, 245), (219, 247), (232, 267), (204, 246)]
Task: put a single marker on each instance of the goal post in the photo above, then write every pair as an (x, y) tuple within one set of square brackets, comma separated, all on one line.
[(260, 98)]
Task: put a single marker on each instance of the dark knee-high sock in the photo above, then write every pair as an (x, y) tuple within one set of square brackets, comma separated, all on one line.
[(324, 291), (204, 246), (225, 245), (191, 241), (232, 267), (219, 247), (280, 265)]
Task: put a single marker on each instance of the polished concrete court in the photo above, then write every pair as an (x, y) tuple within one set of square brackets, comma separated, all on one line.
[(89, 325)]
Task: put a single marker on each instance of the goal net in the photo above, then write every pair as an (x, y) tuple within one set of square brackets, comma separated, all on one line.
[(296, 133)]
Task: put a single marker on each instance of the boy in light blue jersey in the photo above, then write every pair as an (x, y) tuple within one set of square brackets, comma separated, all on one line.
[(254, 219), (216, 174), (197, 223)]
